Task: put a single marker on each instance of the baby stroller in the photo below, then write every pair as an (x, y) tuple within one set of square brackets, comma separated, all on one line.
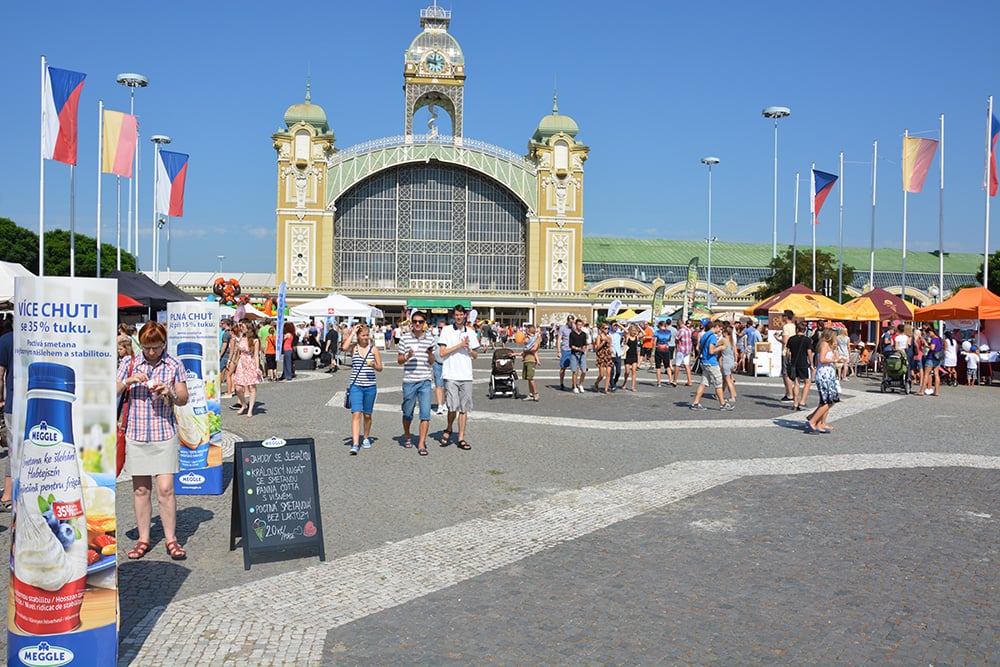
[(896, 372), (502, 373)]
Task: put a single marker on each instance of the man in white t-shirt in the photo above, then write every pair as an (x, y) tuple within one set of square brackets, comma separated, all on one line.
[(459, 346)]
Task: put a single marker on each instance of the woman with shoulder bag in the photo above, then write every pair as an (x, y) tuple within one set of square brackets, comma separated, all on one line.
[(365, 362)]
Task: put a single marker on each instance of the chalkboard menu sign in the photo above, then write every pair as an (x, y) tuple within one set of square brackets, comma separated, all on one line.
[(276, 499)]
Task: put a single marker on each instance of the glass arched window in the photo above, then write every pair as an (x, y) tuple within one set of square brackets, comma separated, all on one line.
[(430, 227)]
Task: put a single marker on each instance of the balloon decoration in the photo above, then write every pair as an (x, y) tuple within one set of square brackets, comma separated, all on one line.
[(227, 291), (269, 308)]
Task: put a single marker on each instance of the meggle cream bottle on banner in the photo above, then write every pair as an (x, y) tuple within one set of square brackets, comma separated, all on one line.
[(63, 600), (193, 338), (50, 554)]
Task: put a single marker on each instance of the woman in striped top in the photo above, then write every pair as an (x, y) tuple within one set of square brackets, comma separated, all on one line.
[(365, 362)]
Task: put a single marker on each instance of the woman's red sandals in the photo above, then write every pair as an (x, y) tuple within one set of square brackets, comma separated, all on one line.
[(176, 551), (138, 551)]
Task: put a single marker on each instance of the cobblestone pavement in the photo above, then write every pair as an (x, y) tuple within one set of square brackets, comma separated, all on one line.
[(592, 529)]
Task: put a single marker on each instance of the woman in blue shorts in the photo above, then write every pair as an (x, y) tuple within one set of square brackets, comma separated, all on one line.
[(365, 362)]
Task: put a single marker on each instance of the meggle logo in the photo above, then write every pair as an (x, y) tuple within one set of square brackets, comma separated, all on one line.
[(44, 435), (191, 479), (45, 655)]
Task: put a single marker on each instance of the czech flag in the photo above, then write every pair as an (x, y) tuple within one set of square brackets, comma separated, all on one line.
[(822, 185), (994, 131), (171, 172), (120, 136), (60, 101), (918, 153)]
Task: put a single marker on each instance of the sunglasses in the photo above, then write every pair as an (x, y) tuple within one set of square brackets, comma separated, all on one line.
[(417, 321)]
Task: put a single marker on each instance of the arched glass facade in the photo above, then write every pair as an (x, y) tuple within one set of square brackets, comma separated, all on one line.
[(430, 227)]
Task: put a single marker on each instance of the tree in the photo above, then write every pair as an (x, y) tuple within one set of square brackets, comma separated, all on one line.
[(826, 269), (994, 283), (18, 245), (21, 245)]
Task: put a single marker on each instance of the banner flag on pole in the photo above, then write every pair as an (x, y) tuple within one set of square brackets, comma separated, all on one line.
[(120, 136), (918, 153), (994, 131), (822, 185), (171, 173), (689, 287), (60, 101)]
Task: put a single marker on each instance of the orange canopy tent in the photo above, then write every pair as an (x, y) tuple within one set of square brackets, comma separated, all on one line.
[(762, 308), (973, 303), (879, 305), (812, 307)]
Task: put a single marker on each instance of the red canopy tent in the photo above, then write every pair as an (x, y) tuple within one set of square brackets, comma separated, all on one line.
[(972, 303), (125, 301)]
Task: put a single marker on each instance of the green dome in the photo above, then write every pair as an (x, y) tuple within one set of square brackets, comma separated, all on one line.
[(307, 113), (554, 124)]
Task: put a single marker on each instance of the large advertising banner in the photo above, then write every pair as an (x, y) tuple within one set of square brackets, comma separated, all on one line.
[(689, 287), (193, 338), (63, 596)]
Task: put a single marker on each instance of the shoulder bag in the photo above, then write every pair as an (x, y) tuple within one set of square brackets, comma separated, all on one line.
[(122, 423), (347, 394)]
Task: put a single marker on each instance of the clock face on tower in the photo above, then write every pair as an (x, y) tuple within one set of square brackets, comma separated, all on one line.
[(435, 62)]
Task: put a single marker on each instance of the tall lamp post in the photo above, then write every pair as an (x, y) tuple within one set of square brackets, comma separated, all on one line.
[(221, 257), (131, 80), (775, 113), (158, 141), (710, 161)]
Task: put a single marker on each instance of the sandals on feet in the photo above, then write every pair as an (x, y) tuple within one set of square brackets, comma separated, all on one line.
[(462, 444), (445, 438), (408, 443), (176, 551), (422, 451), (138, 551)]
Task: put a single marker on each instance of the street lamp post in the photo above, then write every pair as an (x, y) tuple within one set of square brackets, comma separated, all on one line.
[(775, 113), (131, 80), (221, 257), (710, 161), (158, 140)]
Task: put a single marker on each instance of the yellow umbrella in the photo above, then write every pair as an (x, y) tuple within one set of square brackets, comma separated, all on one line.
[(812, 307), (625, 315), (879, 305)]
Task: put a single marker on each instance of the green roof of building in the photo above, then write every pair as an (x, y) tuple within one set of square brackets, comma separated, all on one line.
[(307, 113), (755, 255), (554, 124)]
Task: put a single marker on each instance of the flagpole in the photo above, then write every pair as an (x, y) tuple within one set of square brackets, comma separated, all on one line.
[(100, 167), (812, 216), (941, 218), (41, 179), (119, 242), (871, 265), (72, 221), (840, 274), (986, 186), (795, 229), (906, 134)]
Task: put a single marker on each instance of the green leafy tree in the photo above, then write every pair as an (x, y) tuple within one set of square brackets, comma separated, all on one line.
[(994, 283), (826, 269), (18, 245), (21, 245)]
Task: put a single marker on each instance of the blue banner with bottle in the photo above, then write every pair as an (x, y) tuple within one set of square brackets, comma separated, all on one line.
[(63, 598), (193, 338)]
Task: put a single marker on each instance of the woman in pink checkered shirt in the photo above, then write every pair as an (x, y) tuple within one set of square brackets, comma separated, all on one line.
[(155, 383)]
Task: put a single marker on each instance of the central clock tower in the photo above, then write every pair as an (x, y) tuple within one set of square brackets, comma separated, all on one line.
[(434, 70)]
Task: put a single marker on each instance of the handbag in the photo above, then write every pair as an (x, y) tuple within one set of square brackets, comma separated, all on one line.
[(347, 394), (121, 424)]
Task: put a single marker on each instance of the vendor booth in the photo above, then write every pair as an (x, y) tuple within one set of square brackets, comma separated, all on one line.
[(983, 307), (336, 305)]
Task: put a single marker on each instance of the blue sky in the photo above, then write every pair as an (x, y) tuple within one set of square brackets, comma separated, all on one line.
[(654, 87)]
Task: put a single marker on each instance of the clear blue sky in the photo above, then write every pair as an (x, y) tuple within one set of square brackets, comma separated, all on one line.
[(654, 87)]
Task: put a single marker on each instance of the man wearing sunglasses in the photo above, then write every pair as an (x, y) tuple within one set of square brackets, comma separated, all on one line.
[(415, 353)]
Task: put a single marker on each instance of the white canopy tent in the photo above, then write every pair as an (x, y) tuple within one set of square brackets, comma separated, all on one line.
[(336, 305), (249, 312), (9, 271)]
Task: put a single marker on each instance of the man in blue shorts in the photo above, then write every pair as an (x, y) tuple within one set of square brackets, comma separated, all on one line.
[(415, 353)]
